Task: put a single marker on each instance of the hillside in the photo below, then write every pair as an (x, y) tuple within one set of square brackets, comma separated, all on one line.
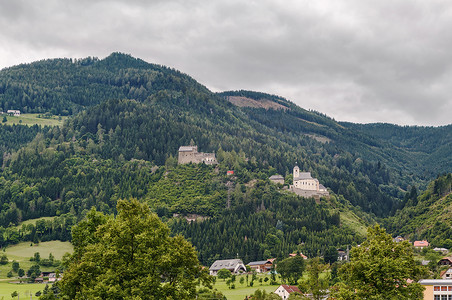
[(428, 215), (413, 150), (430, 147), (128, 119)]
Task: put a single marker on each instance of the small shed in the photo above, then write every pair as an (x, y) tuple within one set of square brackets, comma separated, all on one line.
[(277, 179)]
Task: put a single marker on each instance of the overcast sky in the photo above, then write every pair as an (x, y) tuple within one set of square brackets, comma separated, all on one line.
[(359, 61)]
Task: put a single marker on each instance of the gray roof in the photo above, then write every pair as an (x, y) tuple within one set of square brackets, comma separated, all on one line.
[(225, 264), (435, 281), (187, 148), (425, 262), (256, 263), (304, 175), (274, 177)]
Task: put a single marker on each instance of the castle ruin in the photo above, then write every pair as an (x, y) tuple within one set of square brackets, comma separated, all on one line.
[(190, 154)]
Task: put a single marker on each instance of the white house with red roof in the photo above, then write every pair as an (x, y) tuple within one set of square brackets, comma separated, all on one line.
[(420, 244), (285, 290)]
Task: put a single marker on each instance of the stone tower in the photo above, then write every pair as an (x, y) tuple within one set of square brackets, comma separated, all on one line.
[(296, 171)]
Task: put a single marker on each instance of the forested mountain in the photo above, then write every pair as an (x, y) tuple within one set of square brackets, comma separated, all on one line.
[(128, 120), (428, 215), (66, 86), (430, 147)]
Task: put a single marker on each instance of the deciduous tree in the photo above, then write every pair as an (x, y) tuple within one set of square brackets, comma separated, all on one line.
[(380, 269), (131, 256)]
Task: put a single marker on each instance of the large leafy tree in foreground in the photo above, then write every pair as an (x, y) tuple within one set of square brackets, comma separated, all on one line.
[(130, 256), (380, 269)]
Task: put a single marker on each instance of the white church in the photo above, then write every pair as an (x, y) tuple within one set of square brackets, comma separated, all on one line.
[(306, 186)]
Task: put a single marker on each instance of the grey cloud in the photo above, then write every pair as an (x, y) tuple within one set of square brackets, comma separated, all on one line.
[(361, 61)]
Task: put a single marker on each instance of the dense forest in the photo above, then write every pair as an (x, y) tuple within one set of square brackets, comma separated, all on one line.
[(426, 215), (431, 147), (128, 119), (265, 223)]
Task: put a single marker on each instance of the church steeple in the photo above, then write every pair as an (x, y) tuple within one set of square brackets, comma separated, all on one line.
[(296, 171)]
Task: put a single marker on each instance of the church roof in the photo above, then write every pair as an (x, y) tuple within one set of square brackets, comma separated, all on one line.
[(304, 175)]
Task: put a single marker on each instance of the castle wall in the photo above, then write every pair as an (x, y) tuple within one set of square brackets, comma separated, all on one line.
[(190, 154)]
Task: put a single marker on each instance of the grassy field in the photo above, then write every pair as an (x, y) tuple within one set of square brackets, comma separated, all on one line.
[(22, 253), (32, 119), (25, 290), (241, 290), (33, 221)]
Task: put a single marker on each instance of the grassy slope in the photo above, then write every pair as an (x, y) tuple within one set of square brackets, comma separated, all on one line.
[(240, 290), (32, 119), (23, 289), (33, 221), (22, 253)]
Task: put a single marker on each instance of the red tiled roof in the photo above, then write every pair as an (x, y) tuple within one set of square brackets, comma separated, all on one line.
[(295, 254), (421, 244), (291, 288)]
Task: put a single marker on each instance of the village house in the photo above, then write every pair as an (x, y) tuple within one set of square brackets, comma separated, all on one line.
[(277, 179), (306, 186), (295, 254), (398, 239), (445, 261), (262, 266), (285, 290), (437, 289), (190, 154), (444, 251), (12, 112), (420, 244), (234, 265), (446, 274), (342, 255)]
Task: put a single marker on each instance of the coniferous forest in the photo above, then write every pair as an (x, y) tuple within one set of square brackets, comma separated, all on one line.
[(127, 119)]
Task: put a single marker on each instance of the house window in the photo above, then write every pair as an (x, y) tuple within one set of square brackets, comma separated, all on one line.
[(443, 297), (436, 288), (450, 289), (437, 297), (444, 289)]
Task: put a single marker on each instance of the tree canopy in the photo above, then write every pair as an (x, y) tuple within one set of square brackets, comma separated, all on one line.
[(380, 269), (131, 256)]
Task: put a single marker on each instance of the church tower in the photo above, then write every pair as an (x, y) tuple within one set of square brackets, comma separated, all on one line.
[(296, 171)]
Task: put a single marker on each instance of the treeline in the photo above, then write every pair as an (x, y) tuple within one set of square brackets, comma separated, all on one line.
[(266, 223), (58, 228)]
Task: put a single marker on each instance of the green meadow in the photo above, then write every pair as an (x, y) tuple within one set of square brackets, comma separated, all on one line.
[(33, 119), (22, 253), (242, 290)]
